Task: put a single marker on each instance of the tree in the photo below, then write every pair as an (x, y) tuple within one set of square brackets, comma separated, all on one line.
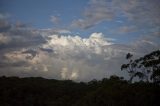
[(144, 67)]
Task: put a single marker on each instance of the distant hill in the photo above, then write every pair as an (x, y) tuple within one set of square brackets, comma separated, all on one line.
[(36, 91)]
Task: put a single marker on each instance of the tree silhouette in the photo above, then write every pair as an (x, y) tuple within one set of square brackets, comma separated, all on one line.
[(144, 67)]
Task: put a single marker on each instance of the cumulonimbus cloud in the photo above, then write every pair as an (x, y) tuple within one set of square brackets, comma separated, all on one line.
[(71, 57), (65, 57)]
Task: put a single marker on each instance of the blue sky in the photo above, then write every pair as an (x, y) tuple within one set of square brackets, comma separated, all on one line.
[(38, 14), (64, 35)]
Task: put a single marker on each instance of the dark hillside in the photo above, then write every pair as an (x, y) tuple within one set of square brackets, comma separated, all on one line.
[(38, 91)]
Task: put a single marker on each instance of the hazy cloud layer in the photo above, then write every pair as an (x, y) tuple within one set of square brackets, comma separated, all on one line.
[(97, 12), (137, 12)]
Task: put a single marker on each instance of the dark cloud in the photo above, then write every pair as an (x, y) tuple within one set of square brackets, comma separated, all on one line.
[(11, 65), (47, 50), (19, 36)]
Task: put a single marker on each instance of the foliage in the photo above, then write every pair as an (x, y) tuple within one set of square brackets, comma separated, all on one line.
[(144, 67), (114, 91)]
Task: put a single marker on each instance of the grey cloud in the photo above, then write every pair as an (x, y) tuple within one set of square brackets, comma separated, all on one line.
[(14, 37), (20, 42), (146, 44), (47, 50), (16, 64), (97, 12), (32, 52), (19, 37), (4, 39), (139, 13), (142, 12), (50, 31), (82, 24), (55, 19), (126, 29), (4, 25), (20, 25)]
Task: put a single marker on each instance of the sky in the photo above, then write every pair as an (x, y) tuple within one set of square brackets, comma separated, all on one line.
[(79, 40)]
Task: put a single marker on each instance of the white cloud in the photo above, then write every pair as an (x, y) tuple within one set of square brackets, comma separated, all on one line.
[(77, 56), (71, 42), (73, 58)]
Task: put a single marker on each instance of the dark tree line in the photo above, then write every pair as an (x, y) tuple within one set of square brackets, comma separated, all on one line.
[(113, 91)]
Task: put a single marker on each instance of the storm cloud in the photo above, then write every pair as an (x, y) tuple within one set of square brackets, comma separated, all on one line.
[(71, 57)]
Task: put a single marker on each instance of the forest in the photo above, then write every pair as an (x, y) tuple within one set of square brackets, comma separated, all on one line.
[(113, 91)]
